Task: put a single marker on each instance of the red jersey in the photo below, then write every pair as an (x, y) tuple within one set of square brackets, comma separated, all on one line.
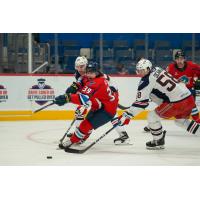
[(81, 82), (187, 74), (100, 95)]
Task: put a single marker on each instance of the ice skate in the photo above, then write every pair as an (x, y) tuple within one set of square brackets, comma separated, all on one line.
[(123, 139), (65, 144), (156, 144)]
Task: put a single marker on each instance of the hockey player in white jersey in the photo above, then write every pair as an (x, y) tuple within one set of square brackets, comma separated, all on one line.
[(177, 102)]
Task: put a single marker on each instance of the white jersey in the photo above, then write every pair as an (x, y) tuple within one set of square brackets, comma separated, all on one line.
[(161, 84)]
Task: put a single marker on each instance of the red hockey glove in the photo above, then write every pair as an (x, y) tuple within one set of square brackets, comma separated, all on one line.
[(125, 118)]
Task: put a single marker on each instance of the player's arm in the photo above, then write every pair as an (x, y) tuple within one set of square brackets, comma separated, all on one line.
[(197, 69), (142, 101), (169, 69), (90, 96)]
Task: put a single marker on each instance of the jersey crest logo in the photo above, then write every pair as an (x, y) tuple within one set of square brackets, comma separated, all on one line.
[(184, 79)]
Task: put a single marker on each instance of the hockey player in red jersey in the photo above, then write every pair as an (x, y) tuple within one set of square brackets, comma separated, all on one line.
[(178, 102), (95, 93), (186, 72), (80, 113)]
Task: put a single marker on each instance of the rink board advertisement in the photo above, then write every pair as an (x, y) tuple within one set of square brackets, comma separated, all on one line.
[(21, 95)]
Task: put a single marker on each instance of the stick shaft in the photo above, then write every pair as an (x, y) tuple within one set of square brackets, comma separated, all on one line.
[(43, 107)]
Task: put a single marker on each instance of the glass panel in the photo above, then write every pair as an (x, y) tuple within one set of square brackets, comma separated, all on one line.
[(117, 53)]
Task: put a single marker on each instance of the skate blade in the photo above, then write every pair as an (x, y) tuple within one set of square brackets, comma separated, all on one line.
[(156, 148), (123, 144)]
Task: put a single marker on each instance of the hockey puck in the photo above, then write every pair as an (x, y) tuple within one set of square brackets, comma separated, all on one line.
[(49, 157)]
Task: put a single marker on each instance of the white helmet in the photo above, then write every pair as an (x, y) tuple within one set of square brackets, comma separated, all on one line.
[(81, 60), (143, 64)]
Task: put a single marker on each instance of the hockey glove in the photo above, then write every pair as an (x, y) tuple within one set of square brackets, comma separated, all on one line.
[(125, 118), (72, 89), (80, 112), (62, 99)]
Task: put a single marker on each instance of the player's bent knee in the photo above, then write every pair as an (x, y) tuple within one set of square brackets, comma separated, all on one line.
[(153, 117), (85, 126)]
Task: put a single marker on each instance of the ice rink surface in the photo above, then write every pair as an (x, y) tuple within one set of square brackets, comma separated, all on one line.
[(25, 143)]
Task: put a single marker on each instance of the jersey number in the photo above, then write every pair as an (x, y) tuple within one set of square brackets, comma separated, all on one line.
[(86, 90), (165, 79)]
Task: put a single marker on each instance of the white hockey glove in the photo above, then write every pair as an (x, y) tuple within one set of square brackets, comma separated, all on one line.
[(125, 118)]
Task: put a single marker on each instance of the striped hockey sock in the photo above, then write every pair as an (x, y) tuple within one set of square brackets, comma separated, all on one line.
[(193, 127)]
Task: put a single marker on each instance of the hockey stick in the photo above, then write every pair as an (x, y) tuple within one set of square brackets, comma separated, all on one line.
[(43, 107), (61, 140), (80, 151), (123, 107)]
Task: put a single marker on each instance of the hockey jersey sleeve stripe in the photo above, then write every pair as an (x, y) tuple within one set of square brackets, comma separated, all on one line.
[(140, 104)]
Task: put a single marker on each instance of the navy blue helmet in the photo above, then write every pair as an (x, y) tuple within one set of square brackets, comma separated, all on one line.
[(92, 67)]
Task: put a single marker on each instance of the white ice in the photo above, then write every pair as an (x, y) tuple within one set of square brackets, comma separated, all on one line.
[(30, 142)]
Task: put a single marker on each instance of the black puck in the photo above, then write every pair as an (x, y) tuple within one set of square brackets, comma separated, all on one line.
[(49, 157)]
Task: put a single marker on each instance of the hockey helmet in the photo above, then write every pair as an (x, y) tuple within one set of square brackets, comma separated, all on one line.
[(179, 54), (81, 60), (143, 64), (92, 67)]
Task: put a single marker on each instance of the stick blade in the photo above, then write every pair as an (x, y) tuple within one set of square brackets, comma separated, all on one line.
[(78, 151)]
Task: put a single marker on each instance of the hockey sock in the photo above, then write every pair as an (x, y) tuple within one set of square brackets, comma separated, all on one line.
[(195, 115), (193, 127), (78, 121), (190, 126), (82, 132), (196, 118), (155, 125), (119, 129)]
